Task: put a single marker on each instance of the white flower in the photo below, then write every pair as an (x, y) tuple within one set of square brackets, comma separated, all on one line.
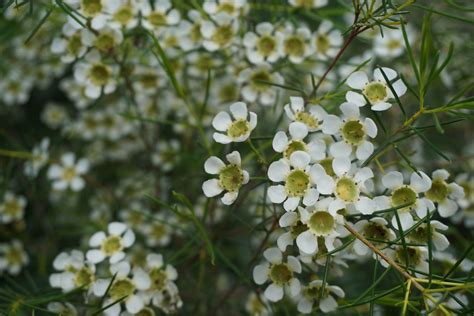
[(95, 76), (279, 273), (406, 197), (12, 208), (112, 245), (354, 131), (257, 84), (257, 305), (40, 156), (348, 185), (159, 15), (415, 257), (308, 4), (391, 44), (297, 43), (444, 194), (166, 155), (377, 91), (320, 222), (124, 286), (75, 271), (104, 40), (158, 232), (421, 235), (230, 177), (375, 228), (62, 308), (315, 148), (312, 115), (327, 41), (54, 115), (12, 257), (236, 130), (264, 45), (221, 34), (299, 181), (68, 173), (293, 225), (70, 45), (311, 294), (15, 88), (231, 7)]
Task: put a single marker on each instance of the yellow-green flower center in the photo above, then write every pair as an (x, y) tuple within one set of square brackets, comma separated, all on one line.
[(157, 231), (346, 190), (223, 35), (228, 93), (238, 128), (121, 288), (280, 274), (307, 118), (420, 234), (376, 231), (297, 182), (322, 43), (158, 279), (353, 132), (74, 44), (231, 178), (123, 15), (111, 245), (145, 312), (83, 277), (266, 45), (91, 7), (14, 256), (403, 196), (104, 42), (157, 18), (99, 74), (411, 255), (375, 92), (226, 7), (11, 208), (321, 223), (438, 192), (294, 145), (294, 46), (260, 80), (313, 293), (69, 173)]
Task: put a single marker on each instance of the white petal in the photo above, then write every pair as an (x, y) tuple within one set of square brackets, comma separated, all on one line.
[(364, 150), (399, 87), (440, 241), (390, 73), (307, 242), (305, 306), (420, 183), (294, 264), (277, 193), (116, 228), (273, 255), (447, 208), (310, 197), (328, 304), (239, 110), (134, 304), (280, 142), (278, 170), (365, 205), (291, 203), (340, 149), (295, 287), (355, 98), (406, 220), (274, 293), (350, 110), (260, 273), (331, 124), (370, 127), (221, 138), (299, 159), (341, 165), (128, 238), (95, 256), (392, 180), (284, 240), (287, 219), (141, 280), (363, 175), (229, 197), (234, 158), (221, 121), (297, 103), (357, 80), (97, 239), (213, 165), (298, 130), (211, 188), (381, 106), (325, 185)]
